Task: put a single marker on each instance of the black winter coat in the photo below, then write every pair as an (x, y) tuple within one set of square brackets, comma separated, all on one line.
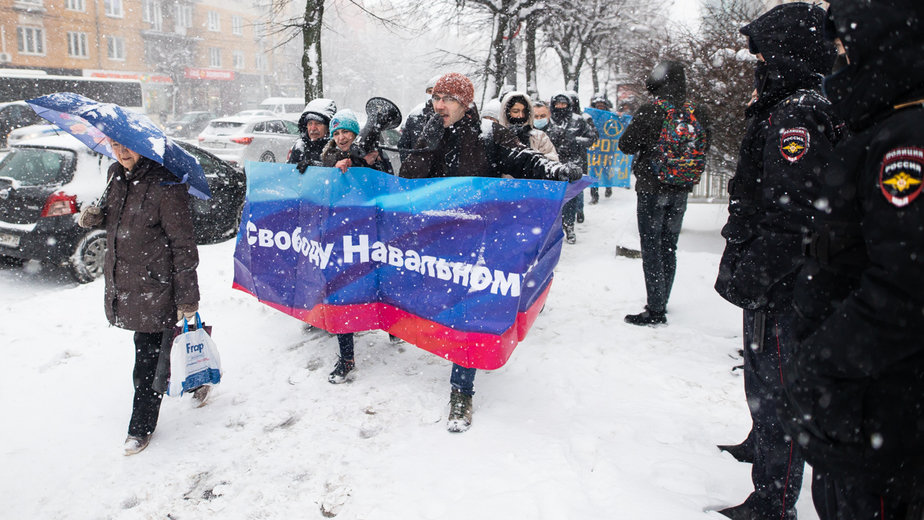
[(641, 136), (331, 155), (151, 254), (575, 135), (465, 151), (308, 150), (412, 127), (856, 385)]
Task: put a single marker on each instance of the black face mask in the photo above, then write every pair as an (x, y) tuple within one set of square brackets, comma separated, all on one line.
[(517, 120), (561, 114)]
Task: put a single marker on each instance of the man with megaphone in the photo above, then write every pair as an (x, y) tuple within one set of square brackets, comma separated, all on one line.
[(452, 144)]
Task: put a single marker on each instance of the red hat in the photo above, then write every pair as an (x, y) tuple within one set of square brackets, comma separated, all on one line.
[(457, 86)]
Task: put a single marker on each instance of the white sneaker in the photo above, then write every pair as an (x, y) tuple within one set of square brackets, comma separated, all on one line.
[(134, 444)]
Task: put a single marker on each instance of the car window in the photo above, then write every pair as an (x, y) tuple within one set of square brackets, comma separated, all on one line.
[(259, 127), (291, 128), (275, 127), (292, 109), (223, 128), (38, 166)]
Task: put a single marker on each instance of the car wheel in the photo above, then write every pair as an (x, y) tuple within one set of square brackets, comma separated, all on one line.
[(89, 257), (267, 157)]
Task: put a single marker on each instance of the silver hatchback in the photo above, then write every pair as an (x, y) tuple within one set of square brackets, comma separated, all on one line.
[(237, 140)]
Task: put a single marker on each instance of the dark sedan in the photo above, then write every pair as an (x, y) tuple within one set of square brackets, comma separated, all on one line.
[(45, 182)]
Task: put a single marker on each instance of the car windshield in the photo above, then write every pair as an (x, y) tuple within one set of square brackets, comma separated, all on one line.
[(38, 166), (223, 128), (191, 116)]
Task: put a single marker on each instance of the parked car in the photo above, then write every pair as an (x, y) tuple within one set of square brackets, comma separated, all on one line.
[(240, 139), (188, 125), (15, 115), (45, 182), (27, 133), (288, 107)]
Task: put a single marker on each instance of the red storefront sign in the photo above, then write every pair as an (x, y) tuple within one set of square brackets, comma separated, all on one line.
[(211, 74)]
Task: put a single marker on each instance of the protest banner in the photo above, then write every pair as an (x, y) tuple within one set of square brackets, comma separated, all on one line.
[(606, 165)]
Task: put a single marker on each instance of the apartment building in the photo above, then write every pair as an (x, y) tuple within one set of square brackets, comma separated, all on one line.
[(189, 54)]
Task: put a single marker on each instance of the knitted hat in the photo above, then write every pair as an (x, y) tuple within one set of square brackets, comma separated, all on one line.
[(457, 86), (344, 120), (491, 108)]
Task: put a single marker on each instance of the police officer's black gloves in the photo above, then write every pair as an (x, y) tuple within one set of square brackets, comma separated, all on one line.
[(569, 172), (302, 165), (431, 133)]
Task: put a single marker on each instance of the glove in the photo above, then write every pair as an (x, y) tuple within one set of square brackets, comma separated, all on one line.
[(90, 217), (186, 310), (431, 133), (569, 172), (302, 165)]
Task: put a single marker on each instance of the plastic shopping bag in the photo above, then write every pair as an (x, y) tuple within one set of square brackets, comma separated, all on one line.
[(194, 359)]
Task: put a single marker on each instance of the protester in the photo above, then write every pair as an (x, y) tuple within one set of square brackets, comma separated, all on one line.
[(572, 144), (791, 131), (415, 121), (517, 115), (149, 271), (660, 206), (854, 389), (341, 152), (313, 129), (457, 147), (491, 112), (601, 102)]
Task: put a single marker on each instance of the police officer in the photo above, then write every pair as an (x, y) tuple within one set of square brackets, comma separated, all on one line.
[(791, 131), (855, 390)]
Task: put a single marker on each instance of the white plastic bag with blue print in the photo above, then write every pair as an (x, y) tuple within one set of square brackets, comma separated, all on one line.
[(194, 359)]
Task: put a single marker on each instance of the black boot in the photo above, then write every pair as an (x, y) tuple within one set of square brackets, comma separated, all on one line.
[(743, 452), (570, 237), (339, 375), (579, 217), (647, 318), (608, 192)]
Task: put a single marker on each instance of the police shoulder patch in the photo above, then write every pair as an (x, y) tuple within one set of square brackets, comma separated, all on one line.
[(794, 143), (901, 175)]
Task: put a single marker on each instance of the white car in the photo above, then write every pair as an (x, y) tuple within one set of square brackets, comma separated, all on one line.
[(240, 139)]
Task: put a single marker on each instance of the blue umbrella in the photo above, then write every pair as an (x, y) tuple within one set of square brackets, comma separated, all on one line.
[(95, 123)]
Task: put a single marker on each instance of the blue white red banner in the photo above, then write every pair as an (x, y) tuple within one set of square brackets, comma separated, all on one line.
[(458, 266), (606, 165)]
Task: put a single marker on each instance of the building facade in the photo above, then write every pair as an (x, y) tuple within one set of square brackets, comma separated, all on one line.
[(189, 54)]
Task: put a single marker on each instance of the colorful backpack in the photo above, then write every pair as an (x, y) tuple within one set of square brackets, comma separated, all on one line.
[(680, 157)]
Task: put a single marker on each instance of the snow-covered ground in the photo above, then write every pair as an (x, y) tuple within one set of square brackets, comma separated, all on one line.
[(591, 418)]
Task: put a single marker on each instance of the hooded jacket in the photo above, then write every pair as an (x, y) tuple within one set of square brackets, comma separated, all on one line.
[(304, 148), (535, 139), (668, 82), (151, 254), (790, 136), (576, 136), (854, 390)]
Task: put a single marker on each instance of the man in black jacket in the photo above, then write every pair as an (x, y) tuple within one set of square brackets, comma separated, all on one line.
[(660, 206), (457, 147), (313, 133), (571, 143), (854, 391), (791, 131)]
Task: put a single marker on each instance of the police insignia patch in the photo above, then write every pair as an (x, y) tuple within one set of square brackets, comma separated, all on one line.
[(901, 176), (794, 142)]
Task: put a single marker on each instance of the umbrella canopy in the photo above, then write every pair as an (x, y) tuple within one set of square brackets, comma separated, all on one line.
[(95, 123)]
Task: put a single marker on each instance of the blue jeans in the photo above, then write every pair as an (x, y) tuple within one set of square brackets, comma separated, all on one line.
[(660, 217), (463, 379)]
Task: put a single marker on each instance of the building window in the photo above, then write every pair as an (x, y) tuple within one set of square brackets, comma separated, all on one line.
[(238, 60), (116, 48), (152, 13), (76, 5), (261, 62), (214, 22), (113, 8), (30, 40), (77, 45), (28, 3), (183, 16), (237, 25), (214, 57)]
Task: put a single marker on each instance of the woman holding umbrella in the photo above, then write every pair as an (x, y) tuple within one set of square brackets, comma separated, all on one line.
[(150, 271)]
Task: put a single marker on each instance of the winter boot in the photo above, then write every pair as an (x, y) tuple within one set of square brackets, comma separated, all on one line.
[(754, 509), (136, 443), (608, 192), (201, 396), (339, 375), (743, 452), (579, 217), (570, 237), (594, 195), (647, 318), (460, 412)]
